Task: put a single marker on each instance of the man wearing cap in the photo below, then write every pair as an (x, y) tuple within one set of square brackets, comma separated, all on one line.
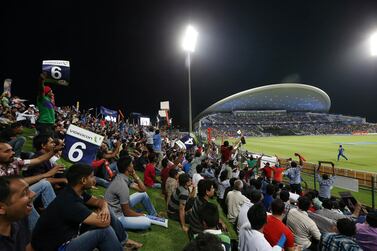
[(46, 107)]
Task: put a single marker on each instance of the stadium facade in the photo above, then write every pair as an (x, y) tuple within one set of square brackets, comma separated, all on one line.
[(277, 109)]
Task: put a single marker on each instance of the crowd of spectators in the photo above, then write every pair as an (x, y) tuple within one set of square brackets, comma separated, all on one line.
[(44, 206), (267, 123)]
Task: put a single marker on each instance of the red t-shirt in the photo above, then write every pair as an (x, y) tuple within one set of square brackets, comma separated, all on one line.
[(225, 153), (165, 172), (267, 171), (273, 231), (149, 174), (278, 174)]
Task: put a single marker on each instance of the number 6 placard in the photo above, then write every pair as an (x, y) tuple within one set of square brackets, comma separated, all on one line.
[(57, 71), (81, 145)]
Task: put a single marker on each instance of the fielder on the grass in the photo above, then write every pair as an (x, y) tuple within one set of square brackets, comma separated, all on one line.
[(341, 152)]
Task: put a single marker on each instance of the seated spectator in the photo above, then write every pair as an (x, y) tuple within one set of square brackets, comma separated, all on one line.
[(204, 242), (12, 135), (166, 167), (122, 203), (59, 225), (11, 166), (275, 228), (255, 196), (197, 160), (102, 172), (15, 205), (205, 192), (105, 153), (304, 229), (171, 184), (228, 189), (44, 144), (222, 185), (284, 196), (234, 201), (197, 176), (343, 240), (366, 233), (150, 172), (187, 164), (256, 184), (181, 201), (209, 215), (251, 236), (327, 211), (267, 197), (142, 162), (317, 204)]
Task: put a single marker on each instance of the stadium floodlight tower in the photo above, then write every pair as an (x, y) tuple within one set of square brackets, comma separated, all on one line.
[(188, 45), (373, 44)]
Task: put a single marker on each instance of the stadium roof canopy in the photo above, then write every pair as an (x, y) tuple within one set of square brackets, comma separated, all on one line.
[(291, 97)]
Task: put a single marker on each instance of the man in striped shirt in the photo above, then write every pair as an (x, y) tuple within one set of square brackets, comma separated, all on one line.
[(304, 229), (343, 240), (181, 201)]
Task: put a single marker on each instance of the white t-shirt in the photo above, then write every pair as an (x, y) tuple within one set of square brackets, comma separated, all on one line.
[(222, 185), (195, 179), (242, 216), (252, 240), (234, 200)]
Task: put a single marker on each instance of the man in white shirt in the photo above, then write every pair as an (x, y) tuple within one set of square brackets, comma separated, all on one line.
[(197, 176), (234, 200), (254, 196), (251, 236)]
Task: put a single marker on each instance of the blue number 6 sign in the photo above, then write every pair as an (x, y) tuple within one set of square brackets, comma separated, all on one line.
[(81, 145), (58, 71)]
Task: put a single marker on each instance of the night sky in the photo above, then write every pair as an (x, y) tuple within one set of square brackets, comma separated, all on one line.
[(127, 55)]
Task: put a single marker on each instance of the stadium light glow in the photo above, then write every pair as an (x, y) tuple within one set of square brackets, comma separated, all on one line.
[(188, 45), (373, 44), (189, 39)]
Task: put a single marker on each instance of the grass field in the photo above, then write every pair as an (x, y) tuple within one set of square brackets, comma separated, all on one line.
[(360, 150)]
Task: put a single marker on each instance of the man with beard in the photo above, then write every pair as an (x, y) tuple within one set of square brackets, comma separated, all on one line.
[(15, 205), (11, 166)]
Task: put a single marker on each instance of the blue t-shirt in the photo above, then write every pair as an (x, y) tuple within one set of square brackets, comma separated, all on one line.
[(267, 200), (157, 142), (341, 150), (187, 167)]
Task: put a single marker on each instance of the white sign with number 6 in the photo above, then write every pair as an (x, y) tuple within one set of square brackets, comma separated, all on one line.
[(76, 148), (56, 72), (81, 145)]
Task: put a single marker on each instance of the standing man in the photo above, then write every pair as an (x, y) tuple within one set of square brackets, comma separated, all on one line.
[(325, 184), (46, 107), (341, 152), (294, 174)]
